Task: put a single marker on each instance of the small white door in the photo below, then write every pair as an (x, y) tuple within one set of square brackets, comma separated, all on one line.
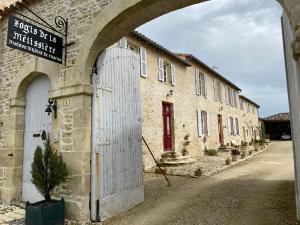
[(36, 121)]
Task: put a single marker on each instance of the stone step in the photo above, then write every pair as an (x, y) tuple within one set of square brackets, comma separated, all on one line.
[(178, 158), (178, 162)]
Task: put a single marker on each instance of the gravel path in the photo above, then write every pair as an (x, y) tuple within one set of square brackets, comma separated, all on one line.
[(259, 191)]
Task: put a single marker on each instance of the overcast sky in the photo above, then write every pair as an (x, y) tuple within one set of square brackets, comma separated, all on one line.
[(241, 37)]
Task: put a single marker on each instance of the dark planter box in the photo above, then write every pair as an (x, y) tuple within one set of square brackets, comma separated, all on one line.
[(45, 213)]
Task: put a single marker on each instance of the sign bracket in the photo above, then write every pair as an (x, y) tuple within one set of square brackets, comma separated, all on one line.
[(60, 22)]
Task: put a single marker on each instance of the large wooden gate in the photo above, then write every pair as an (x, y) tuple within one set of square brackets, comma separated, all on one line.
[(117, 173), (37, 121)]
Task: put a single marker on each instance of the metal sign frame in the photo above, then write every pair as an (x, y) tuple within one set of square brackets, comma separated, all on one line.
[(60, 22)]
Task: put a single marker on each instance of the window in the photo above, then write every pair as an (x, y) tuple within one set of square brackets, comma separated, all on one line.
[(144, 63), (166, 71), (201, 83), (241, 104), (232, 130), (235, 96), (237, 127), (203, 123), (253, 109), (217, 91), (231, 101), (227, 95), (248, 108)]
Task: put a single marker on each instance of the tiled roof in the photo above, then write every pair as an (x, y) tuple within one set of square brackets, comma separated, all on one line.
[(159, 47), (278, 117), (5, 5), (249, 100), (221, 77)]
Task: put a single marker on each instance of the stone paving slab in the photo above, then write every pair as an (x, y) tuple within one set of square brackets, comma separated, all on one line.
[(11, 214)]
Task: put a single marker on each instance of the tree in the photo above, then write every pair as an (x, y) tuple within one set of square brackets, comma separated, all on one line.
[(48, 169)]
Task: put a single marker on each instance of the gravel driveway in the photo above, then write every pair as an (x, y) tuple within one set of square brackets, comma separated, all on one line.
[(259, 191)]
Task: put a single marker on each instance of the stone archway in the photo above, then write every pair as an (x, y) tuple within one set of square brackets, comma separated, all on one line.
[(121, 17), (15, 132)]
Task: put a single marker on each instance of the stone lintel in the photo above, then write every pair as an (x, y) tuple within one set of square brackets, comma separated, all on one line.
[(78, 89)]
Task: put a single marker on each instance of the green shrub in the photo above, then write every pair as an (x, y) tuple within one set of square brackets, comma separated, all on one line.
[(48, 169), (212, 152)]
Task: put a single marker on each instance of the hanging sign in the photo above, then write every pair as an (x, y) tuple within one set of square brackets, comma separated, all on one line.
[(30, 38)]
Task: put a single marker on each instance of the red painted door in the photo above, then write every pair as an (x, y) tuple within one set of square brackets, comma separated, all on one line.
[(167, 119), (220, 127)]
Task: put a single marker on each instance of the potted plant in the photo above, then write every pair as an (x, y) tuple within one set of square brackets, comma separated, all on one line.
[(48, 171), (256, 145), (262, 144), (244, 146), (234, 154), (186, 143), (243, 154), (227, 161)]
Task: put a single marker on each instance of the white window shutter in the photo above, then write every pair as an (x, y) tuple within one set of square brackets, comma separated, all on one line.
[(234, 126), (173, 75), (199, 123), (221, 93), (205, 85), (123, 43), (161, 69), (197, 82), (215, 94), (208, 123), (144, 63), (228, 126), (237, 124), (226, 96)]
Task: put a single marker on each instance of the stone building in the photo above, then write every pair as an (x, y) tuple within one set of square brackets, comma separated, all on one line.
[(182, 96), (27, 82)]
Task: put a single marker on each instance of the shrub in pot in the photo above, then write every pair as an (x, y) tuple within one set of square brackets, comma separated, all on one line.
[(243, 154), (212, 152), (244, 146), (48, 171), (234, 154), (228, 161), (185, 144)]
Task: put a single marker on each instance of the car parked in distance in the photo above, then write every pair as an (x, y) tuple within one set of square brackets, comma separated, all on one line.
[(285, 137)]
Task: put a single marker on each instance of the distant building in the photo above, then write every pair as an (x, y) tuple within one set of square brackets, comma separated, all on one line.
[(276, 125)]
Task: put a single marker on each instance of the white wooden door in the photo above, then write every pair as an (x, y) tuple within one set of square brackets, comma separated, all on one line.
[(117, 153), (36, 121)]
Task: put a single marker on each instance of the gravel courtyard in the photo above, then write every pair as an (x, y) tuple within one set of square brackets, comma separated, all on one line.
[(259, 191)]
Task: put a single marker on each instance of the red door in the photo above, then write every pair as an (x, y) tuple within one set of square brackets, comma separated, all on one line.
[(167, 115), (220, 128)]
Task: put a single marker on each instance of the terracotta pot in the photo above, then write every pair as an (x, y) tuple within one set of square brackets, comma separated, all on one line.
[(234, 158)]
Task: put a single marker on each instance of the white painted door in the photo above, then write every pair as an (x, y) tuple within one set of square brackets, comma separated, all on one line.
[(117, 178), (36, 121)]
